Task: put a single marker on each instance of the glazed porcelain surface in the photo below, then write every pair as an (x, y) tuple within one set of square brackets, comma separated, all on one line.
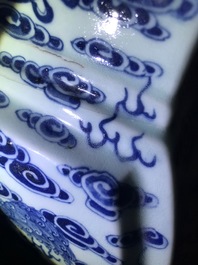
[(85, 99)]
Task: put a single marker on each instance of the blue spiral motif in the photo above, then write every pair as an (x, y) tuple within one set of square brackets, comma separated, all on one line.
[(140, 15), (20, 26), (78, 235), (105, 195), (7, 194), (45, 16), (42, 233), (59, 84), (102, 52), (151, 238), (16, 161), (50, 128), (4, 100)]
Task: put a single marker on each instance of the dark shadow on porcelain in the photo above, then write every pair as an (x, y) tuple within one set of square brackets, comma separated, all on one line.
[(183, 143), (130, 240)]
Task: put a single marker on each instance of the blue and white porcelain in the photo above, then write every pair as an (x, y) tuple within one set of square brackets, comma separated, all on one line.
[(86, 89)]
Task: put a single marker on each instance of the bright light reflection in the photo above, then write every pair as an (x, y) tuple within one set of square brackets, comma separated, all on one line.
[(109, 25), (72, 114)]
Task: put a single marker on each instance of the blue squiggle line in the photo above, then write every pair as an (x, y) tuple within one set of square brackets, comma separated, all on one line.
[(136, 153), (140, 110)]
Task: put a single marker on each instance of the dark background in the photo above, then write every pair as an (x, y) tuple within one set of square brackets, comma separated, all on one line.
[(182, 138)]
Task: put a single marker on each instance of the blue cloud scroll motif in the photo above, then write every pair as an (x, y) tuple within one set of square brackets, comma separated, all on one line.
[(60, 84), (4, 100), (50, 128), (151, 238), (45, 16), (105, 195), (16, 161), (78, 235), (140, 15), (52, 233), (41, 232), (20, 26), (102, 52), (7, 194)]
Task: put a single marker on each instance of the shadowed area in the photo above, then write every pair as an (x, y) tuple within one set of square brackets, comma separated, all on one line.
[(183, 142)]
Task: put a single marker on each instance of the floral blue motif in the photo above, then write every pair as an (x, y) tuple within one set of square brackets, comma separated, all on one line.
[(16, 162), (105, 195), (142, 15), (4, 100), (102, 52), (20, 26), (45, 16), (50, 128), (60, 84), (150, 236)]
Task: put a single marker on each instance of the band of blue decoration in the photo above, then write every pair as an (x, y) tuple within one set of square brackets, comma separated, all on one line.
[(16, 161), (59, 84), (106, 196), (48, 127), (103, 53), (53, 233), (22, 27)]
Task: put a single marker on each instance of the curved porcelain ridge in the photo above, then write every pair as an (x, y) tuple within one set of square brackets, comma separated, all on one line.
[(85, 95)]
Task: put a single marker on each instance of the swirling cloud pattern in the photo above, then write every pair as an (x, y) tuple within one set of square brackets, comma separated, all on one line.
[(78, 235), (48, 127), (46, 15), (151, 238), (7, 194), (59, 84), (42, 233), (16, 161), (102, 52), (20, 26), (106, 196), (143, 16)]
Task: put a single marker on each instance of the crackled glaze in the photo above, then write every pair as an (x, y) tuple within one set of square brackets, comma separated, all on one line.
[(85, 92)]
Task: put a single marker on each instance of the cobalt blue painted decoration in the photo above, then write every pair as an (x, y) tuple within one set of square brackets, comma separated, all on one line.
[(52, 233), (136, 154), (7, 194), (140, 109), (59, 84), (41, 232), (106, 196), (16, 161), (4, 100), (78, 235), (149, 236), (20, 26), (45, 16), (140, 15), (102, 52), (48, 127)]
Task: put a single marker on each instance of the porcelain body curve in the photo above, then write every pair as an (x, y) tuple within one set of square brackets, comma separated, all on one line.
[(85, 97)]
